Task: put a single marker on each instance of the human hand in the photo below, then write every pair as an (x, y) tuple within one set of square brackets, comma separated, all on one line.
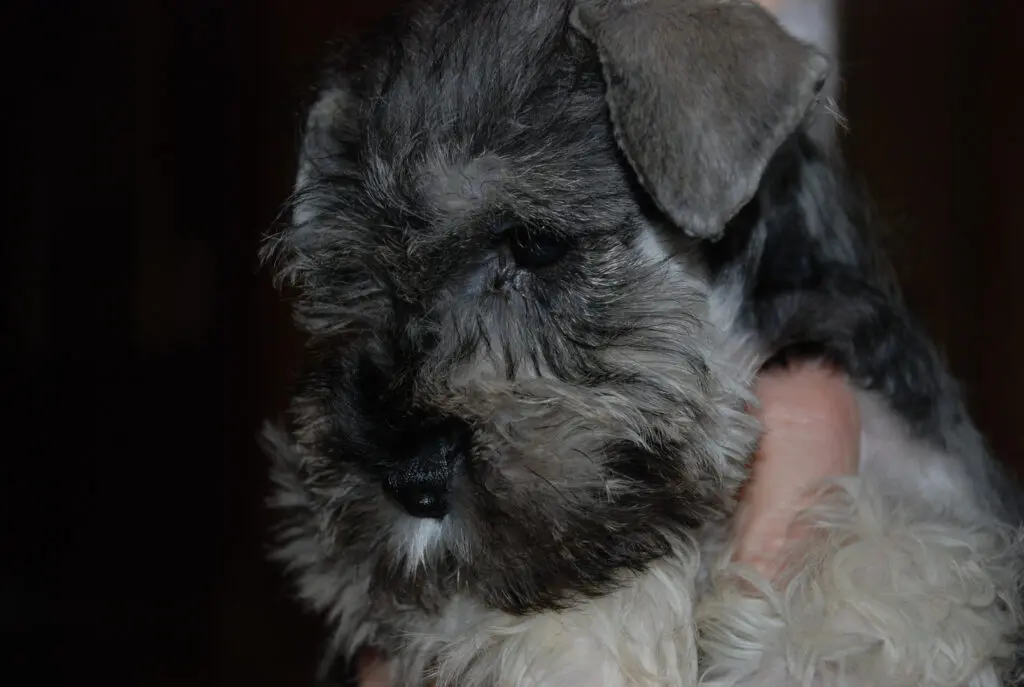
[(372, 672)]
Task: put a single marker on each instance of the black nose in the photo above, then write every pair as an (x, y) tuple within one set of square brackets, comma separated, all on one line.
[(422, 482)]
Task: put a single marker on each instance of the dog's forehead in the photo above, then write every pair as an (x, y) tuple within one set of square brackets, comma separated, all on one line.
[(455, 65), (459, 188), (486, 104)]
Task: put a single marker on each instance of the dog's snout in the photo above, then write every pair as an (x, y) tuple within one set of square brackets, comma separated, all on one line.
[(422, 483)]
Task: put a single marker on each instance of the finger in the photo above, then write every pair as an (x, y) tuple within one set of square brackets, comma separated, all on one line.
[(373, 672), (811, 431)]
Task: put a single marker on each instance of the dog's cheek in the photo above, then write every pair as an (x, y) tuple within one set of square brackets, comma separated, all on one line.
[(328, 527)]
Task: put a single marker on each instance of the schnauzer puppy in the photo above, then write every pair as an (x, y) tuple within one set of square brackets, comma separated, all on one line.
[(541, 249)]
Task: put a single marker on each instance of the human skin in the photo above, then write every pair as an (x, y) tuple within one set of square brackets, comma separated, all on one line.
[(811, 431)]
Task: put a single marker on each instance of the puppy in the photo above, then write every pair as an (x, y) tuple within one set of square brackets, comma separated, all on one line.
[(541, 248)]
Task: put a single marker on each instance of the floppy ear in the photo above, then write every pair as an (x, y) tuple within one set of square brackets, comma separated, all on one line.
[(701, 94), (330, 127)]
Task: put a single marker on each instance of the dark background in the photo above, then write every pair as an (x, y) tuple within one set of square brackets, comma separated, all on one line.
[(152, 144)]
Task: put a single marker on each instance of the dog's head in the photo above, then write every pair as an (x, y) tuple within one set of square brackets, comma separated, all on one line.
[(519, 389)]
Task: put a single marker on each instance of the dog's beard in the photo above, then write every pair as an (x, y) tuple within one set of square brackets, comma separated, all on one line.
[(587, 463)]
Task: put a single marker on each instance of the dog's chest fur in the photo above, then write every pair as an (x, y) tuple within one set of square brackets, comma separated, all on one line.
[(564, 252)]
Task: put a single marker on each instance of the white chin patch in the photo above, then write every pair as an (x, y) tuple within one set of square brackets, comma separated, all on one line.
[(416, 540)]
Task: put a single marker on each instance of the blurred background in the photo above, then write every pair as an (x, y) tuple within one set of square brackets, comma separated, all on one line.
[(153, 142)]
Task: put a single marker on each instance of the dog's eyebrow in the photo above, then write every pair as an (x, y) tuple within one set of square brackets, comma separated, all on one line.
[(460, 188)]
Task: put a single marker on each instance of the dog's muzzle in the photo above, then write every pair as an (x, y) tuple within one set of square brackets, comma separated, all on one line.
[(422, 485)]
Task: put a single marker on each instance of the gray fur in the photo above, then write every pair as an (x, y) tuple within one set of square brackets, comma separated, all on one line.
[(701, 95), (477, 259)]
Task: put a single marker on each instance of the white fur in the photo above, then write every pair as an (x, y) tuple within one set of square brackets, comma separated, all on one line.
[(905, 582), (416, 540), (637, 635), (884, 594)]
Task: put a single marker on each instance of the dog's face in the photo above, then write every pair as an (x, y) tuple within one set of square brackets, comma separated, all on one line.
[(520, 389)]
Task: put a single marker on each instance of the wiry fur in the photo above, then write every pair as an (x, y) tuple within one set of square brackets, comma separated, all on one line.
[(602, 401)]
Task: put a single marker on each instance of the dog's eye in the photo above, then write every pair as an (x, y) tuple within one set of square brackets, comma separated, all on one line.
[(533, 250)]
